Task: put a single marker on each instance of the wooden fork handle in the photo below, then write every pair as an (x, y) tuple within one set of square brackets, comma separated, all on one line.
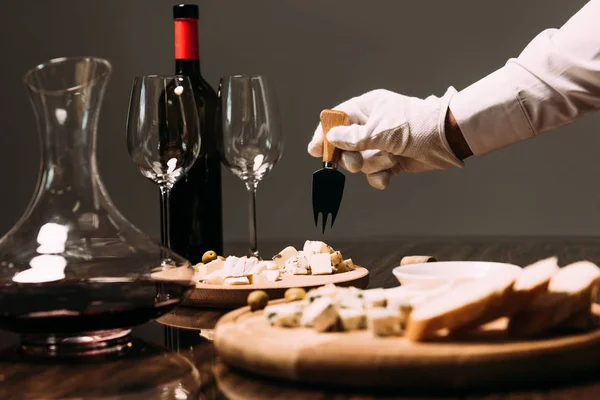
[(329, 119)]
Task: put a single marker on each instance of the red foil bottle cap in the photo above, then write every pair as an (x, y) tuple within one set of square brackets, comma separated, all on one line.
[(186, 39)]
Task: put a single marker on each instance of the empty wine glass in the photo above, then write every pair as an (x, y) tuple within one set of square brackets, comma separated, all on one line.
[(163, 134), (250, 140)]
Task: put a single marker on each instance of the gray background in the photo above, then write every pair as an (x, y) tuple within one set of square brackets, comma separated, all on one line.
[(316, 54)]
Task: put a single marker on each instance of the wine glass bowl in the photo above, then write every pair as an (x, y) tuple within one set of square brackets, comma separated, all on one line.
[(162, 128), (251, 139)]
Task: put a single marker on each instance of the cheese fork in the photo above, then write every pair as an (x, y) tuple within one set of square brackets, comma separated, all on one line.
[(328, 182)]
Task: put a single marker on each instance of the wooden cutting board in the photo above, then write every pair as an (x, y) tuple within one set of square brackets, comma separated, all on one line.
[(232, 296), (357, 359)]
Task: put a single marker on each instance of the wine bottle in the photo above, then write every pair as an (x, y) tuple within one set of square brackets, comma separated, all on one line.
[(196, 216)]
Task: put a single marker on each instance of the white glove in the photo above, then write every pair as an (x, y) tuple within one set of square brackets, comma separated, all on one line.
[(391, 133)]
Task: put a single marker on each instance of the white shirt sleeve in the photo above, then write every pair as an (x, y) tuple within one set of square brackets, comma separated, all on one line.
[(555, 80)]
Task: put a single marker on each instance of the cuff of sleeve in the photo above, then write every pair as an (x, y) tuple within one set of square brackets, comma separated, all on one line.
[(490, 115)]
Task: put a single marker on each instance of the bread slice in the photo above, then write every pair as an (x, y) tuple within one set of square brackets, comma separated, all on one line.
[(581, 321), (529, 284), (571, 290), (458, 307)]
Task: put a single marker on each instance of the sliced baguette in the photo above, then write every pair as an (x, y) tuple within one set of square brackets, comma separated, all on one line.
[(529, 284), (570, 290), (458, 307), (581, 321)]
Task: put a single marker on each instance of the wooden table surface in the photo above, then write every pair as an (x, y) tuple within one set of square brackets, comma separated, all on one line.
[(174, 363)]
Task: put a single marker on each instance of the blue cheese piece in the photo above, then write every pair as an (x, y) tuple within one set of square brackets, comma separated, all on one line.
[(321, 314), (284, 255), (383, 322), (352, 319), (320, 264), (297, 265), (315, 247), (284, 315), (374, 298)]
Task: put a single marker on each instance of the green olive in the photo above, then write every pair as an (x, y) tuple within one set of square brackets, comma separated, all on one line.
[(257, 300), (209, 256), (294, 294)]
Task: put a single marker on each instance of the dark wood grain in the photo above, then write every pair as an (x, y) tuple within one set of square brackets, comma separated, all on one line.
[(148, 367)]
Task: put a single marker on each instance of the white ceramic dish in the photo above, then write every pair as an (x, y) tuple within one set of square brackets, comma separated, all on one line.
[(435, 274)]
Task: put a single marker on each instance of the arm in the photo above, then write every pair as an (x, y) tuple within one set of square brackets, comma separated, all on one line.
[(555, 80)]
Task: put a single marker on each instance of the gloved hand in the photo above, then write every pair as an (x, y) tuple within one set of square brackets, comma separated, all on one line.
[(390, 133)]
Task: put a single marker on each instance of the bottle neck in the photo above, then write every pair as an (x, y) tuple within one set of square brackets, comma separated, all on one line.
[(187, 50), (190, 68)]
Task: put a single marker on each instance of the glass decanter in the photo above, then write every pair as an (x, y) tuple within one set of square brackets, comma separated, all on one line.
[(75, 275)]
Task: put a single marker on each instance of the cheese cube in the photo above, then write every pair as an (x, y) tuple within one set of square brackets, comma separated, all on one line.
[(214, 278), (336, 258), (374, 298), (258, 279), (296, 265), (270, 265), (250, 264), (315, 247), (284, 315), (345, 266), (352, 319), (257, 268), (229, 266), (320, 264), (329, 290), (283, 256), (350, 264), (321, 314), (241, 280), (271, 276), (350, 301), (383, 322), (215, 265)]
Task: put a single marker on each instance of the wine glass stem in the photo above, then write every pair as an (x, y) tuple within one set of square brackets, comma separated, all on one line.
[(165, 220), (252, 219)]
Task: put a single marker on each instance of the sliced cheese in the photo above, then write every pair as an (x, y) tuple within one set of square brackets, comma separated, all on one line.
[(321, 314), (320, 264)]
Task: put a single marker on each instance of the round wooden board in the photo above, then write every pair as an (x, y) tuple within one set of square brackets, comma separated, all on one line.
[(357, 359), (233, 296)]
